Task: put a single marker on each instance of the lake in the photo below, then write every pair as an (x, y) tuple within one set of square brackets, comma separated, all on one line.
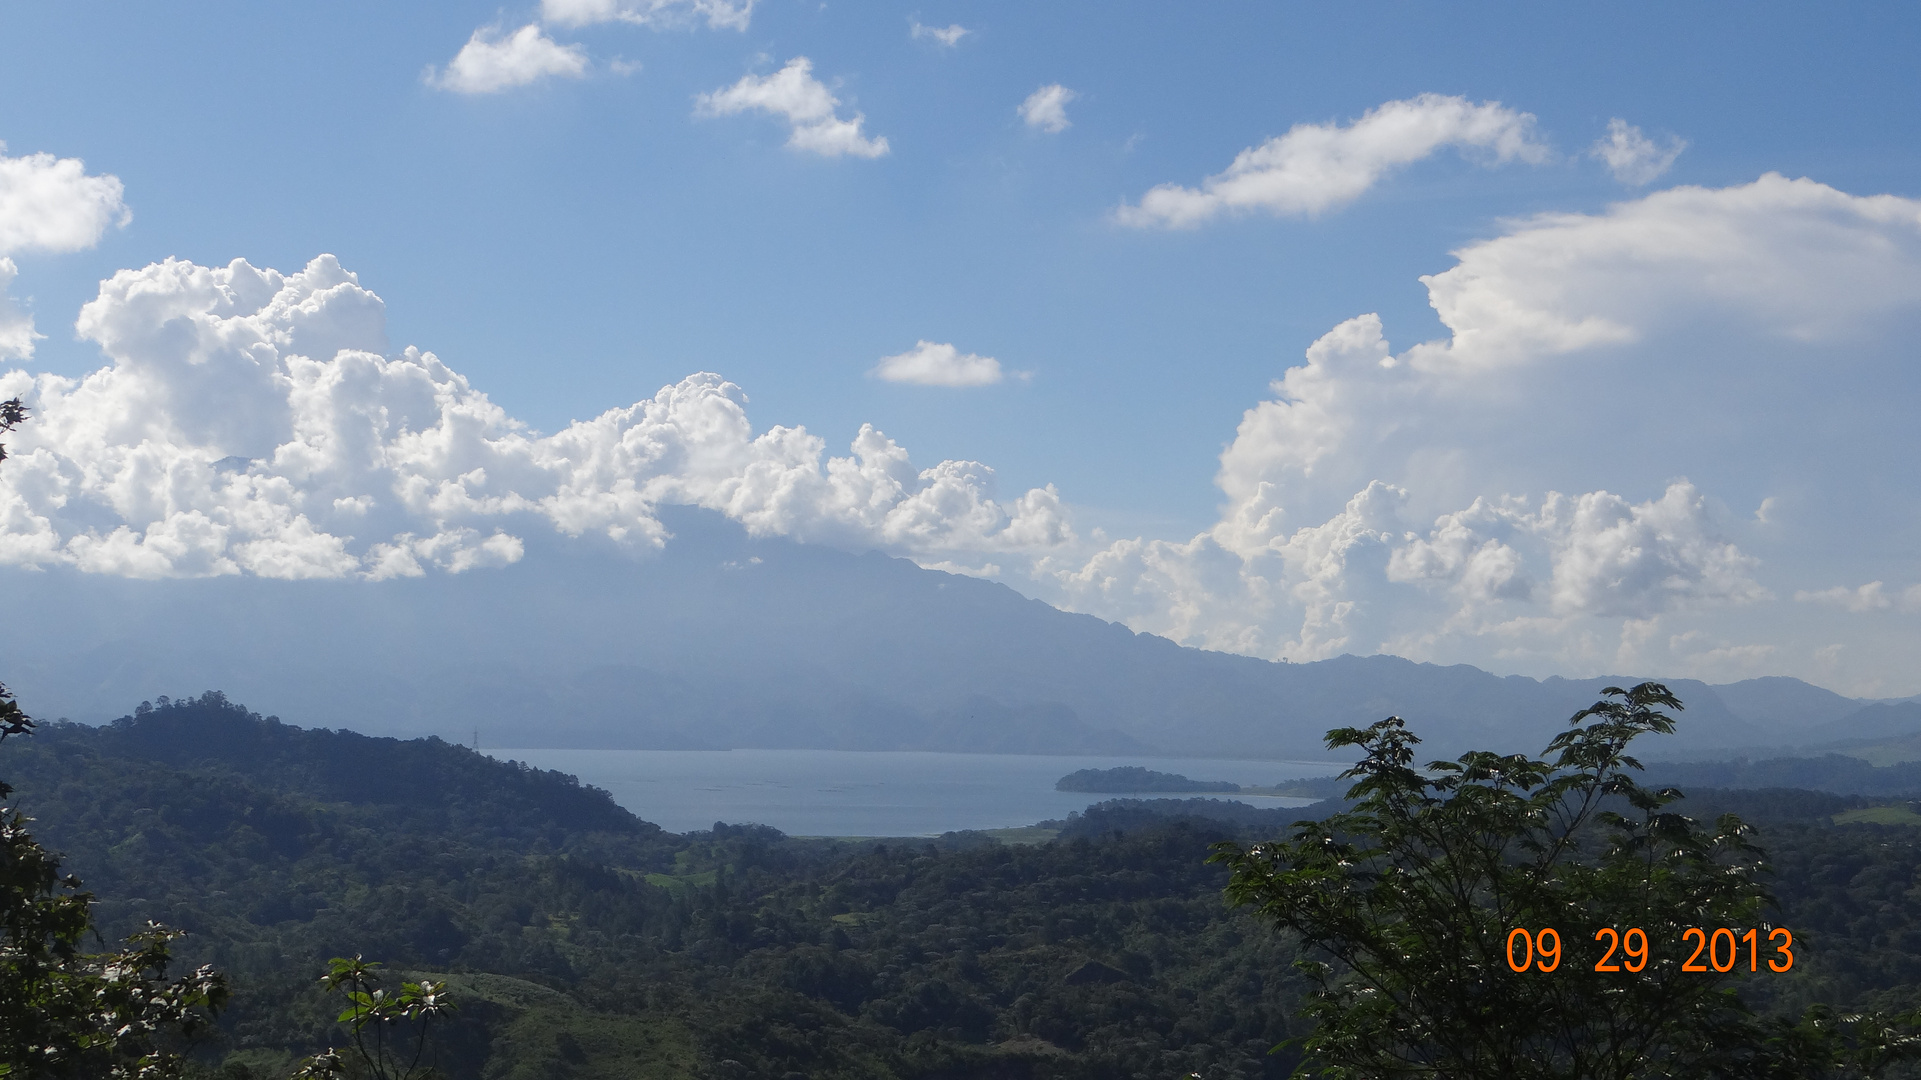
[(878, 793)]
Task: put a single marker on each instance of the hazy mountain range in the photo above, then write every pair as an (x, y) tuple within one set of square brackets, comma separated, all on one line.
[(725, 641)]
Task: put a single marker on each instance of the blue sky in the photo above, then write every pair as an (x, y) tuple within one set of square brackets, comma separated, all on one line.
[(578, 241)]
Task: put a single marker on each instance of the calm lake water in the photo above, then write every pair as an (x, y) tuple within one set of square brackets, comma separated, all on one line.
[(851, 793)]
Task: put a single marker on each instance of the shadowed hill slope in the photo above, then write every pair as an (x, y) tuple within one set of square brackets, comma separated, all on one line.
[(427, 782), (612, 950)]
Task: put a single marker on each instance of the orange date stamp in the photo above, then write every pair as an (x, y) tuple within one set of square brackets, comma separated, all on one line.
[(1719, 950)]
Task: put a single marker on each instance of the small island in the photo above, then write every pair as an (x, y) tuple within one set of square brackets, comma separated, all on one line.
[(1133, 780)]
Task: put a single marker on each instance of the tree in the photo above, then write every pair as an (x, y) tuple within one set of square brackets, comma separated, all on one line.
[(67, 1013), (1419, 902), (64, 1013), (13, 413), (416, 1005)]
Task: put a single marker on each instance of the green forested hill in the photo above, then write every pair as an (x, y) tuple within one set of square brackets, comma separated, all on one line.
[(588, 943), (583, 942)]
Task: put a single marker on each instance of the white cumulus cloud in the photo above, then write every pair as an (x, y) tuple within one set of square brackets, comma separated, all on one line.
[(948, 36), (1671, 349), (807, 104), (1612, 557), (53, 204), (253, 422), (48, 204), (1634, 158), (1046, 109), (1322, 166), (931, 363), (659, 14), (493, 61), (1792, 258), (1497, 569), (1315, 168)]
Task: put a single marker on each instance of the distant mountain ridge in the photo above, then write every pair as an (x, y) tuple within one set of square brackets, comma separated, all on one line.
[(727, 641)]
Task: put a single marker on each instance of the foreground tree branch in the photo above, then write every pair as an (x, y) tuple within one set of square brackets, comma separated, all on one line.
[(1408, 903)]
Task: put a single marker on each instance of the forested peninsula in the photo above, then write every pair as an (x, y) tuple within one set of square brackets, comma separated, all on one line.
[(1134, 780)]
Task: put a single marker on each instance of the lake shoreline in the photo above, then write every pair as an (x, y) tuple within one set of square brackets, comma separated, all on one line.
[(876, 793)]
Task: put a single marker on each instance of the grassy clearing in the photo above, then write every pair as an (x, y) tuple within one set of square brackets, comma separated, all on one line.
[(1879, 815)]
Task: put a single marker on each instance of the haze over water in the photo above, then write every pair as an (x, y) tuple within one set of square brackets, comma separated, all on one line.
[(881, 793)]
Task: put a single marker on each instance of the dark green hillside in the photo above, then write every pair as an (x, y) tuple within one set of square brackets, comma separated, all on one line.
[(462, 790), (277, 847), (587, 942), (582, 942)]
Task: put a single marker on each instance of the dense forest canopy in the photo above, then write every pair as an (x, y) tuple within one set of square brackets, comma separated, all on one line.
[(584, 942)]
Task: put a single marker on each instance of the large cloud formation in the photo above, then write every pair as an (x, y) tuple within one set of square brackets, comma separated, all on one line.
[(1675, 435), (253, 422), (1687, 349)]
